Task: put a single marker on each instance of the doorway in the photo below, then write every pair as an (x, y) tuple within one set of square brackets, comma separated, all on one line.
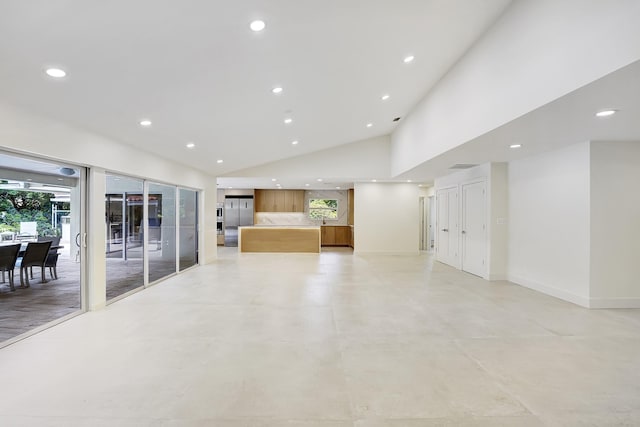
[(473, 233), (40, 201)]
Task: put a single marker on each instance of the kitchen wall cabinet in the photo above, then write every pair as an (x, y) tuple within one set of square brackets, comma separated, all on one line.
[(335, 235), (279, 200)]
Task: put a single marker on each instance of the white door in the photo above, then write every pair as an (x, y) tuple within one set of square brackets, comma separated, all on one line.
[(473, 232), (447, 223)]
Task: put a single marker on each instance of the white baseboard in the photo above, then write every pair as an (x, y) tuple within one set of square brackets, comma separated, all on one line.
[(614, 303), (549, 290), (391, 253)]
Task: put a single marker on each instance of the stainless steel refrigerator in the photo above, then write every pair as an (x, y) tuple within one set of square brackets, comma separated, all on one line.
[(238, 212)]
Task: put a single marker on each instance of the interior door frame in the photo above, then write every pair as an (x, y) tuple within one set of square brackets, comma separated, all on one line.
[(462, 212)]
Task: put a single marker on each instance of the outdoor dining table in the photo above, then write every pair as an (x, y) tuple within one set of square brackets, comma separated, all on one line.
[(23, 246)]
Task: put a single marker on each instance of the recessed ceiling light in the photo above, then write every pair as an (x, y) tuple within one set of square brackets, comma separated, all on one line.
[(606, 113), (409, 180), (337, 188), (385, 97), (369, 125), (294, 142), (319, 179), (515, 146), (229, 188), (191, 145), (306, 185), (374, 180), (145, 122), (288, 121), (273, 179), (257, 25), (55, 73), (219, 161), (276, 90), (408, 59)]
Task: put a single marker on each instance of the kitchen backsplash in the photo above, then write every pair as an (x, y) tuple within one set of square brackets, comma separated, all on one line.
[(283, 218)]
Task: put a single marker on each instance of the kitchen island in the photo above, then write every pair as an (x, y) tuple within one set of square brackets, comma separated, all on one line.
[(279, 239)]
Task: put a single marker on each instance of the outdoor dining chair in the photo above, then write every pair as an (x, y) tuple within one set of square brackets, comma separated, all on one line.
[(8, 258), (34, 256)]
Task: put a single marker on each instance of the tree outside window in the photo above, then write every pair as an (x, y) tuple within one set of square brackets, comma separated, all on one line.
[(323, 209)]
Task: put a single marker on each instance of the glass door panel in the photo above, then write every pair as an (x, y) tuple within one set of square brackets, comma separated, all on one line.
[(40, 202), (161, 237), (188, 228), (125, 258)]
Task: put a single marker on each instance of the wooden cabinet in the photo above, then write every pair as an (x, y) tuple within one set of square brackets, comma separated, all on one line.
[(293, 201), (328, 236), (343, 236), (336, 235), (279, 200), (264, 200)]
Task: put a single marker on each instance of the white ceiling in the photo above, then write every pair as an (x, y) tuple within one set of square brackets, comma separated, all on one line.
[(568, 120), (197, 71)]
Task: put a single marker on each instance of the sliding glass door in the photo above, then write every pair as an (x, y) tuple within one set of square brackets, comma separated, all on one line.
[(188, 220), (124, 244), (41, 203), (161, 237)]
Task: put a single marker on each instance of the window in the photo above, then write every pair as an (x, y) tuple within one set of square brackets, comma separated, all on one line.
[(323, 209)]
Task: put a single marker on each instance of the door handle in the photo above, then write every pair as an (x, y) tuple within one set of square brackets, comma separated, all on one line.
[(464, 232), (445, 230)]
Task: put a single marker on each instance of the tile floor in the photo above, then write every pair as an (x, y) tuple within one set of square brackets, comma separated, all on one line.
[(331, 340)]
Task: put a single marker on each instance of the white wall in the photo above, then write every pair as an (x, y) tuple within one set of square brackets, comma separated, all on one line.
[(549, 223), (386, 217), (498, 224), (27, 133), (538, 51), (362, 159), (615, 224)]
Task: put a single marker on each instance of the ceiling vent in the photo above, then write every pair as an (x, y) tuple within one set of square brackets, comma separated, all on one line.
[(462, 166)]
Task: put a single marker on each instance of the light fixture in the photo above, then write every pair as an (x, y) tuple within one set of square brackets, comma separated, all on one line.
[(191, 145), (257, 25), (229, 188), (319, 179), (606, 113), (409, 180), (337, 188), (273, 179), (408, 59), (374, 180), (56, 73), (67, 171), (385, 97), (219, 161), (294, 142), (306, 185), (276, 90), (145, 122), (369, 125), (288, 121), (515, 146)]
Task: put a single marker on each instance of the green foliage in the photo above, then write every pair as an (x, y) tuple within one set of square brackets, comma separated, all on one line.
[(24, 206), (323, 208)]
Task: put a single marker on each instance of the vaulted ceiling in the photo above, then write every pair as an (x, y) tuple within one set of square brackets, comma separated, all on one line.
[(196, 70)]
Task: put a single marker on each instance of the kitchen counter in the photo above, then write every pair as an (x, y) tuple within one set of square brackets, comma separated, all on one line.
[(272, 238)]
